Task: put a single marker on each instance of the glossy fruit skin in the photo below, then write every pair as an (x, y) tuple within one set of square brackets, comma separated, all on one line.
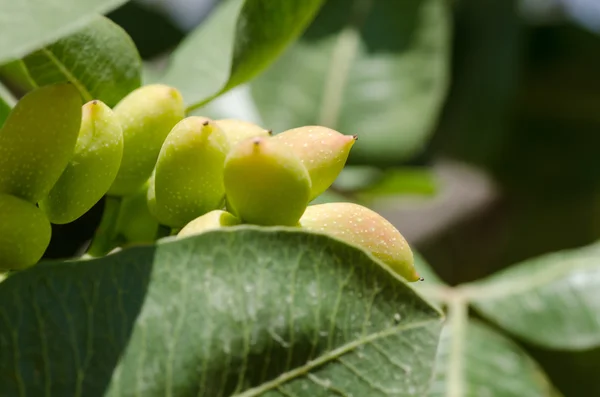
[(365, 228), (24, 233), (92, 168), (37, 141), (146, 115), (210, 221), (188, 180), (239, 130), (323, 152), (265, 183)]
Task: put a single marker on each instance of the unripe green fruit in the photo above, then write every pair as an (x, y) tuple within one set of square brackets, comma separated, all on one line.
[(146, 116), (151, 196), (266, 184), (92, 168), (188, 180), (238, 130), (210, 221), (323, 152), (365, 228), (24, 233), (135, 223), (37, 141)]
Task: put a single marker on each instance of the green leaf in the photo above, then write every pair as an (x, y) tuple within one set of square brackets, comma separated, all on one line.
[(474, 360), (239, 40), (331, 196), (28, 25), (550, 300), (356, 177), (16, 77), (248, 311), (405, 180), (100, 60), (373, 68)]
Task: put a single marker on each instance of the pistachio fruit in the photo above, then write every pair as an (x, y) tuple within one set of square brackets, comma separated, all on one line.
[(37, 141), (92, 168), (266, 184), (146, 116), (210, 221), (135, 223), (188, 180), (24, 233), (365, 228), (323, 152)]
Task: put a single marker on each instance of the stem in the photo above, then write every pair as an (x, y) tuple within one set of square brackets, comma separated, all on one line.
[(104, 238)]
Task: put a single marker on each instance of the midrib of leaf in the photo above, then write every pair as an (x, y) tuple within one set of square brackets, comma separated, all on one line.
[(306, 368), (10, 100), (87, 96), (457, 317), (521, 284), (344, 52)]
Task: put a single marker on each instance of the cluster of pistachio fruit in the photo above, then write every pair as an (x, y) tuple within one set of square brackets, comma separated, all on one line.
[(198, 174)]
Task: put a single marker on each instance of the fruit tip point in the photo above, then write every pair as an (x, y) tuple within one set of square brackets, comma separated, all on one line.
[(205, 122), (270, 132), (355, 137), (421, 279)]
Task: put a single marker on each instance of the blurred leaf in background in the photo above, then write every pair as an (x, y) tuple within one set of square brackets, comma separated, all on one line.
[(475, 360), (236, 42), (373, 68), (6, 103)]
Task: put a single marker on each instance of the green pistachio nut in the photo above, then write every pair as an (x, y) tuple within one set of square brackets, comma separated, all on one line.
[(188, 180), (212, 220), (92, 168), (135, 223), (238, 130), (37, 141), (146, 116), (323, 152), (24, 233), (151, 195), (365, 228), (266, 184)]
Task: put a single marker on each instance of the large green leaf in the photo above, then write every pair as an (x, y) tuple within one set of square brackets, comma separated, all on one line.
[(239, 40), (100, 60), (246, 311), (550, 300), (474, 360), (373, 68), (28, 25)]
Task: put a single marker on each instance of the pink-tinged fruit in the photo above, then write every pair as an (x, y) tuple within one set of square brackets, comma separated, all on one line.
[(365, 228), (265, 183), (216, 219), (323, 152)]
